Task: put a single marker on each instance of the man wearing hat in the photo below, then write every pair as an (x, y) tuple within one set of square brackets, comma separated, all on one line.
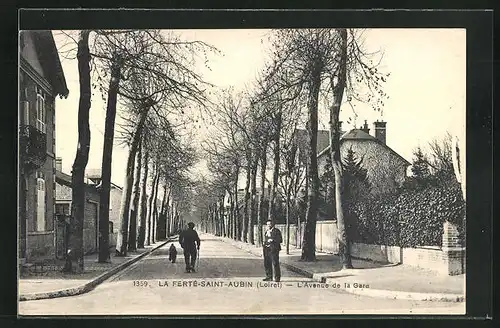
[(190, 243), (272, 247)]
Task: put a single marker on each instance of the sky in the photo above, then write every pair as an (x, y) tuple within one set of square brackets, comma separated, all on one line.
[(426, 88)]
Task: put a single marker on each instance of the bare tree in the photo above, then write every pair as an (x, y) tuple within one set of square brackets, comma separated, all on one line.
[(132, 237), (82, 157), (159, 54)]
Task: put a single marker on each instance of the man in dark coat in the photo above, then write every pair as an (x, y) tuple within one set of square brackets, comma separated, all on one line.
[(190, 243), (272, 247)]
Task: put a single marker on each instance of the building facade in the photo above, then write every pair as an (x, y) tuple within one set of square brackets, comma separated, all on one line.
[(41, 80)]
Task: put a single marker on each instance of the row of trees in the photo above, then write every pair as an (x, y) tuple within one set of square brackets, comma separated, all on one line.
[(149, 76), (258, 129)]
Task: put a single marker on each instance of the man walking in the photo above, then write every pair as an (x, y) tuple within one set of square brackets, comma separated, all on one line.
[(272, 247), (190, 243)]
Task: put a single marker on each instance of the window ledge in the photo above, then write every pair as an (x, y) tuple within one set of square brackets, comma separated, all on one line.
[(35, 233)]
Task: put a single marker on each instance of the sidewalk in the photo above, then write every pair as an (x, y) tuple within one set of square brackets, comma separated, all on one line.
[(370, 278), (54, 283)]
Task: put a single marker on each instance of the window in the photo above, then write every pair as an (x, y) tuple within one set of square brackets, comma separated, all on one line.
[(40, 110), (40, 213), (62, 209)]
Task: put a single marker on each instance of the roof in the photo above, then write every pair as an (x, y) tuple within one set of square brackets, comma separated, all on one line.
[(49, 59), (357, 134), (95, 175), (65, 179), (322, 143)]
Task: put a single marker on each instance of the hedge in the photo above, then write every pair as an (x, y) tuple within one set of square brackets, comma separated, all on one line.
[(412, 218)]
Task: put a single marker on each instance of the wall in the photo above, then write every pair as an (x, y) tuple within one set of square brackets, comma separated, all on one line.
[(324, 232), (379, 253), (115, 198), (38, 242), (449, 260), (91, 217), (40, 245)]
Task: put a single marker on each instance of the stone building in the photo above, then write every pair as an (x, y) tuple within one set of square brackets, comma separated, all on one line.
[(41, 80)]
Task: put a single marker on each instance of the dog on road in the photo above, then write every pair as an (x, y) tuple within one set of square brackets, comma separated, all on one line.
[(172, 253)]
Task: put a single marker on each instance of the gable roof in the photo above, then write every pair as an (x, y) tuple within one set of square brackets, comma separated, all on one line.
[(65, 179), (95, 176), (48, 55), (322, 143), (357, 134)]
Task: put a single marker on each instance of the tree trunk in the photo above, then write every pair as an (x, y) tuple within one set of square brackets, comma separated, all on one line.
[(216, 219), (287, 242), (246, 216), (150, 209), (308, 246), (155, 209), (122, 239), (236, 212), (253, 201), (231, 217), (299, 218), (107, 153), (276, 171), (142, 204), (132, 237), (222, 217), (167, 212), (81, 158), (151, 216), (260, 214), (338, 92), (162, 234)]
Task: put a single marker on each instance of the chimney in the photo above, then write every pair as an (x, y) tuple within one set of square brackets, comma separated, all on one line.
[(380, 130), (365, 128), (59, 164)]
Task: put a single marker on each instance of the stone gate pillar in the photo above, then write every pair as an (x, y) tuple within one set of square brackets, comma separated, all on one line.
[(453, 252)]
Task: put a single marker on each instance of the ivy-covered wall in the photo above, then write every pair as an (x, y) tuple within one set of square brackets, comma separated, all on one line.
[(412, 218)]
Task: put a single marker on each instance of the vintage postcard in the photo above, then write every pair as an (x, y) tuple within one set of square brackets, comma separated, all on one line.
[(242, 171)]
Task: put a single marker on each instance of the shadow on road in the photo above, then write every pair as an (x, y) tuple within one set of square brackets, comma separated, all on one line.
[(211, 264)]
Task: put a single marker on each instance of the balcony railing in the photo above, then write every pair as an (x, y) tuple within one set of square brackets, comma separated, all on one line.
[(32, 147)]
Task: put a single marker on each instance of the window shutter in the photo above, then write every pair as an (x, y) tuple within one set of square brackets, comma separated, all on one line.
[(40, 215), (26, 112)]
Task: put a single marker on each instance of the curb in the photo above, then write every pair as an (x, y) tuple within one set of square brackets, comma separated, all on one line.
[(87, 287), (378, 293)]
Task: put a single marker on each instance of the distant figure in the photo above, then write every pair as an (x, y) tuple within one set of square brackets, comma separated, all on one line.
[(190, 243), (272, 247), (172, 253)]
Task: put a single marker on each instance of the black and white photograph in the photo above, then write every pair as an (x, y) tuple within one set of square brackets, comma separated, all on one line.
[(293, 171)]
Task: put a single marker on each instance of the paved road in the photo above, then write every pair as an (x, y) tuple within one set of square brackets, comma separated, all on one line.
[(228, 281)]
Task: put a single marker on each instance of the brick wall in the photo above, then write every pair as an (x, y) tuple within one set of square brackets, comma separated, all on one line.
[(90, 223), (448, 260)]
